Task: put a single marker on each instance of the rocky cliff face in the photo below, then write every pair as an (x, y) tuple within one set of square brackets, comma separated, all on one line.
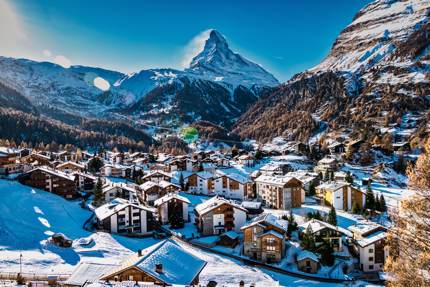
[(376, 74)]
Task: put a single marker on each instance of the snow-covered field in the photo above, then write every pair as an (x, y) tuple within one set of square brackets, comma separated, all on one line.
[(29, 216)]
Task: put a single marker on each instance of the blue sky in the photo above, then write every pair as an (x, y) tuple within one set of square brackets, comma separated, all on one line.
[(284, 36)]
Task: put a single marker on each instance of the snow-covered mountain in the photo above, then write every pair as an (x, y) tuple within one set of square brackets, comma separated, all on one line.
[(376, 73), (97, 92), (217, 62)]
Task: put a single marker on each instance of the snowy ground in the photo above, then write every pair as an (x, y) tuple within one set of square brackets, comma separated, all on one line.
[(28, 217)]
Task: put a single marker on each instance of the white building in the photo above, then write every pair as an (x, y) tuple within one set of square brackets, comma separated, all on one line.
[(172, 203), (218, 215), (122, 216), (370, 244)]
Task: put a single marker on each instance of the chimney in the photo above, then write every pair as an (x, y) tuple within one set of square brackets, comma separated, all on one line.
[(139, 252), (159, 268)]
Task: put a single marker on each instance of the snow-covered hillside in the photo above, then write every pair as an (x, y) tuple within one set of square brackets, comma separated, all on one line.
[(96, 92), (29, 216), (374, 35)]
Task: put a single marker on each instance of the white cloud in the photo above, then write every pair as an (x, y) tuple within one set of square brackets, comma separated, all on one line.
[(101, 83), (12, 32), (47, 53), (62, 61), (194, 47)]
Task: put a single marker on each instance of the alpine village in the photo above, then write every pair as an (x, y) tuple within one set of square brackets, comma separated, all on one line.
[(220, 175)]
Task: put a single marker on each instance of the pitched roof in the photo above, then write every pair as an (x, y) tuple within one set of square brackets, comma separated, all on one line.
[(305, 254), (53, 172), (170, 196), (110, 208), (215, 202), (275, 180), (318, 225), (268, 219), (88, 272), (272, 232), (179, 266)]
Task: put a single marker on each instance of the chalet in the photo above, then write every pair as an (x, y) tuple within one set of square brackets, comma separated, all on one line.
[(264, 238), (281, 192), (229, 239), (246, 160), (50, 180), (325, 232), (336, 148), (70, 166), (308, 262), (275, 168), (63, 155), (157, 176), (218, 215), (177, 164), (200, 182), (123, 217), (85, 181), (326, 166), (37, 159), (166, 264), (112, 190), (151, 191), (9, 161), (370, 244), (231, 185), (253, 208), (111, 170), (341, 195), (172, 205), (307, 178)]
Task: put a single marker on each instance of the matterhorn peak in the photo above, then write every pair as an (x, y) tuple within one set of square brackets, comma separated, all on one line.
[(219, 63)]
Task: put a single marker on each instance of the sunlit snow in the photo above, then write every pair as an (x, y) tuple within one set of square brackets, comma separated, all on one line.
[(101, 83)]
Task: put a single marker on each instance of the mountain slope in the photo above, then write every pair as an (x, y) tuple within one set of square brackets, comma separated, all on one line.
[(376, 74), (218, 86)]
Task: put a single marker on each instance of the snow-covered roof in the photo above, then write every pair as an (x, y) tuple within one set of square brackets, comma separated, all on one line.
[(268, 219), (53, 172), (81, 166), (147, 185), (179, 267), (332, 185), (157, 172), (165, 184), (305, 254), (318, 225), (118, 185), (251, 204), (280, 180), (231, 234), (108, 209), (327, 160), (372, 238), (89, 272), (215, 202), (233, 175), (170, 196)]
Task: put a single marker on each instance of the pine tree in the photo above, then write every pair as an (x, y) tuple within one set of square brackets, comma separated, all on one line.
[(181, 181), (332, 218), (312, 190), (98, 193), (292, 224), (308, 240), (370, 199), (409, 242), (382, 203), (326, 252), (377, 203)]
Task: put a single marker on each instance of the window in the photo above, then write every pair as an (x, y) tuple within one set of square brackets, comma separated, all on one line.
[(270, 240), (370, 258), (371, 267), (271, 248), (371, 250)]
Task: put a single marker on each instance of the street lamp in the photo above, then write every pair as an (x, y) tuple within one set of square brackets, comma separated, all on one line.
[(20, 263)]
